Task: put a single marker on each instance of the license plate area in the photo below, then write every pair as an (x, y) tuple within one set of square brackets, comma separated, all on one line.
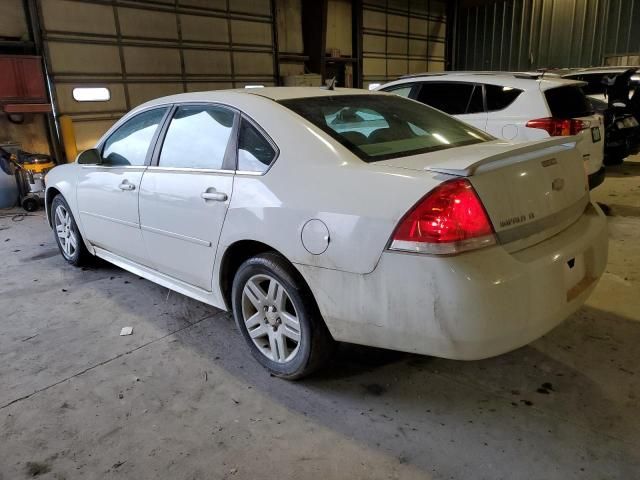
[(595, 134)]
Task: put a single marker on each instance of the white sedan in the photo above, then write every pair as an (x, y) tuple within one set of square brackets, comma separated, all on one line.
[(318, 215)]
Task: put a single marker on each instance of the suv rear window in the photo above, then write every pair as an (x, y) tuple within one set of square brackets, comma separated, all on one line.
[(378, 127), (568, 102), (499, 98)]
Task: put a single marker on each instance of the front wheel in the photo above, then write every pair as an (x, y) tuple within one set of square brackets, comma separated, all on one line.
[(279, 318), (67, 234)]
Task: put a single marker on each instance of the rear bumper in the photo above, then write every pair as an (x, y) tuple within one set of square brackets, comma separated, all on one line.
[(596, 178), (471, 306)]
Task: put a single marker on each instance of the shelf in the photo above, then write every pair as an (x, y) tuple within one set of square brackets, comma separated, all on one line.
[(292, 57), (27, 108), (340, 60)]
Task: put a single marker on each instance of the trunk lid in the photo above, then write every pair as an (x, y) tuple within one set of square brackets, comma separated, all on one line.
[(530, 191)]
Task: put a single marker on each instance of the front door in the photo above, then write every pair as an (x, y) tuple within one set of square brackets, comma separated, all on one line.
[(184, 198), (107, 194)]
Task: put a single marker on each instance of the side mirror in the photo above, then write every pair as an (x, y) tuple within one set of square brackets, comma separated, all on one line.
[(90, 157)]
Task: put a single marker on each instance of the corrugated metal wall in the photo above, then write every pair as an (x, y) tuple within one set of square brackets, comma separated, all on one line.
[(529, 34), (401, 37)]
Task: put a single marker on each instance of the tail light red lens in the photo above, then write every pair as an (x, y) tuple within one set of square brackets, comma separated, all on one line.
[(449, 219), (559, 127)]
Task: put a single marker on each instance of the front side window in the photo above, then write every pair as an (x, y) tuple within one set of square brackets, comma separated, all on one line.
[(451, 98), (379, 127), (255, 153), (129, 144), (197, 137)]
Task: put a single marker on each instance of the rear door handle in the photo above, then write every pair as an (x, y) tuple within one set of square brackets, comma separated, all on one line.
[(217, 196), (125, 185)]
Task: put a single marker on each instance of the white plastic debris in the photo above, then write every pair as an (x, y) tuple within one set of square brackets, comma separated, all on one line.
[(126, 331)]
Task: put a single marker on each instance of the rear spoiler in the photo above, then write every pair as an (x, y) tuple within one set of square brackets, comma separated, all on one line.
[(466, 167)]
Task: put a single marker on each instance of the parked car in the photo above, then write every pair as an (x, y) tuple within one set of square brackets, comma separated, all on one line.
[(596, 77), (622, 131), (317, 215), (613, 92), (517, 107)]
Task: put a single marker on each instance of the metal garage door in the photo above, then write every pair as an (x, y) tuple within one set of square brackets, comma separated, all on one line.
[(402, 37), (140, 50)]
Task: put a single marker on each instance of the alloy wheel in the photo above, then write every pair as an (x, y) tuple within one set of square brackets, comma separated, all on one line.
[(271, 318), (65, 231)]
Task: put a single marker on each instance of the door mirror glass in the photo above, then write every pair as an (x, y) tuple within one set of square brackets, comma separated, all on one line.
[(90, 157)]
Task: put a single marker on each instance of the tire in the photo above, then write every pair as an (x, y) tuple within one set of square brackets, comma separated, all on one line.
[(30, 204), (278, 317), (613, 161), (66, 233)]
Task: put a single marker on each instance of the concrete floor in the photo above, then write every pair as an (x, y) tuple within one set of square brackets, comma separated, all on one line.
[(181, 398)]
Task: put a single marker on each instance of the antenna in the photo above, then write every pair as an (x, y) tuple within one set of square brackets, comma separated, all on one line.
[(331, 84)]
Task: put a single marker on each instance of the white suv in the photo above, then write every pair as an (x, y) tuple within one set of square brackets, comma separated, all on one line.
[(517, 107)]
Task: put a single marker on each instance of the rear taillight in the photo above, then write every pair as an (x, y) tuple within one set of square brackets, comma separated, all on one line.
[(559, 127), (449, 219)]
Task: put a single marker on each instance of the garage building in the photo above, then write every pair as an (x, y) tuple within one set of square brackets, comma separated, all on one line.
[(179, 396)]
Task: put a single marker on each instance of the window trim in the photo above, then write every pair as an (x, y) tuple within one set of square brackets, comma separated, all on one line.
[(228, 162), (152, 146)]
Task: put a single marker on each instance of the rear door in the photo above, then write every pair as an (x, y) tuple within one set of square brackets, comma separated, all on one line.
[(185, 194), (107, 194), (462, 100)]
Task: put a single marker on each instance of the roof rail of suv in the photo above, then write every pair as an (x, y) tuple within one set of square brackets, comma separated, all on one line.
[(524, 75)]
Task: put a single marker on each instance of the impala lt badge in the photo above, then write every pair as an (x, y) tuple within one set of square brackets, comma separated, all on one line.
[(558, 184)]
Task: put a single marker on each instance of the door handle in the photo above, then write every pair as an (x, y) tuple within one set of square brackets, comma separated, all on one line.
[(125, 185), (217, 196)]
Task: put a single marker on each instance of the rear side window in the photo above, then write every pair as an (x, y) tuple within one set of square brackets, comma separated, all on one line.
[(255, 153), (568, 102), (451, 98), (129, 144), (499, 97), (197, 137)]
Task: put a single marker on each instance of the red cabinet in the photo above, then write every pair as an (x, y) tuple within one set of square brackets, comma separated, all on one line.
[(22, 79)]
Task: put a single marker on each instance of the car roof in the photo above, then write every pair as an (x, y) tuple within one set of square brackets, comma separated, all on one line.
[(522, 80), (272, 93)]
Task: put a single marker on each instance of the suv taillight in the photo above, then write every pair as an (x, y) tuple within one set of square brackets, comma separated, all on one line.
[(559, 127), (449, 219)]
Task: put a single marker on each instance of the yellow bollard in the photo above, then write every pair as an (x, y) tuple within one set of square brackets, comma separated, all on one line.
[(68, 138)]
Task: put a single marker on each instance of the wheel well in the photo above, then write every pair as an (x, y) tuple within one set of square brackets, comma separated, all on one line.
[(234, 256), (50, 195)]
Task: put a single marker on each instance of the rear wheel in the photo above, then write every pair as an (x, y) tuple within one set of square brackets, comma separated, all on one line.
[(278, 317), (67, 234)]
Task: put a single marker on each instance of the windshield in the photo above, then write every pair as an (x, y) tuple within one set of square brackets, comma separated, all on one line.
[(378, 127)]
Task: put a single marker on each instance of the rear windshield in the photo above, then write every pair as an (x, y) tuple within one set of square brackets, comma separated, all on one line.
[(568, 102), (378, 127)]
